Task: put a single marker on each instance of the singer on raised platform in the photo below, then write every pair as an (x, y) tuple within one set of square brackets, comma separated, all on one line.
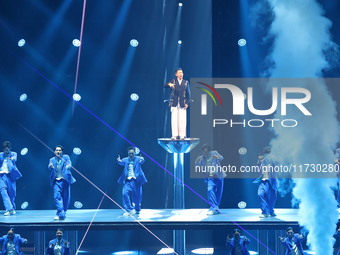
[(60, 179), (9, 173), (179, 102), (132, 179)]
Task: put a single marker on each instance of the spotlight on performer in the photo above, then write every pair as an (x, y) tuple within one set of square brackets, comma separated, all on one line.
[(134, 43), (242, 151), (179, 42), (242, 42), (24, 205), (76, 151), (76, 97), (76, 42), (23, 97), (166, 251), (21, 43), (134, 97), (203, 251), (242, 205), (180, 4), (24, 151), (78, 204)]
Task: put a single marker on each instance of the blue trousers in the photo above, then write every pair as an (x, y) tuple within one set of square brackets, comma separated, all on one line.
[(267, 196), (215, 190), (8, 191), (132, 195), (61, 191)]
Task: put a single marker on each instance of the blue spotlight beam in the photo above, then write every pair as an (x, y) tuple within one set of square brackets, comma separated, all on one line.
[(143, 152)]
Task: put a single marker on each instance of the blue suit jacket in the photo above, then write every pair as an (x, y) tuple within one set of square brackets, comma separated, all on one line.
[(17, 240), (242, 241), (64, 249), (297, 241), (14, 172), (214, 162), (272, 176), (180, 93), (140, 177), (65, 170)]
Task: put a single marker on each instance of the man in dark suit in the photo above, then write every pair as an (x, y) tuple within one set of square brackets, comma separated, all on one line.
[(179, 102), (60, 179), (132, 179)]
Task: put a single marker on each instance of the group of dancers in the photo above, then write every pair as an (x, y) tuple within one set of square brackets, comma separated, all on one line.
[(11, 244)]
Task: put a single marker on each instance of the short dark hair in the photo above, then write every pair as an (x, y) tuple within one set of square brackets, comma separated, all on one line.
[(236, 230), (131, 148), (6, 144), (206, 146), (289, 229), (61, 147), (178, 69), (60, 229)]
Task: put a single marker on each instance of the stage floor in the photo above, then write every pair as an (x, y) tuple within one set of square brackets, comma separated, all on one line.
[(152, 218)]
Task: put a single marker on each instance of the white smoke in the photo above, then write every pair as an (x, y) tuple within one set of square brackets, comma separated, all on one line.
[(301, 42)]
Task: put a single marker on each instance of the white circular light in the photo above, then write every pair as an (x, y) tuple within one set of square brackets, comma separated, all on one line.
[(137, 150), (242, 205), (134, 97), (78, 204), (77, 151), (24, 151), (23, 97), (180, 42), (203, 251), (134, 43), (242, 151), (24, 205), (242, 42), (21, 43), (76, 42), (76, 97), (180, 4)]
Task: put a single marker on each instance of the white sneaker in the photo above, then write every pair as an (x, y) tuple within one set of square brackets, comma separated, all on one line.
[(11, 212), (132, 212), (56, 218)]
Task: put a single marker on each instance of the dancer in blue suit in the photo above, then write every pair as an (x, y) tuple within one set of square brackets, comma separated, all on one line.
[(215, 180), (267, 190), (292, 242), (58, 246), (60, 179), (11, 243), (132, 179), (238, 244), (9, 173)]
